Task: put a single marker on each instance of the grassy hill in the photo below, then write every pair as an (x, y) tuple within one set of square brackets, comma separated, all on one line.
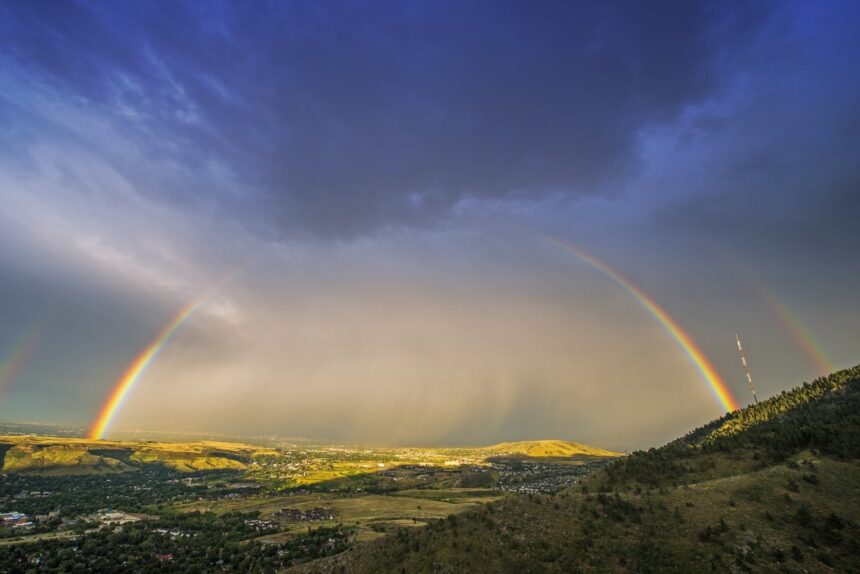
[(75, 456), (61, 458), (189, 459), (771, 488), (547, 448)]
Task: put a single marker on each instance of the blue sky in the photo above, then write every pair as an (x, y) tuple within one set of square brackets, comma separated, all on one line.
[(382, 173)]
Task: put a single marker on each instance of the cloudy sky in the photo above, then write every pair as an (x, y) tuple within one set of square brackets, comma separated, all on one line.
[(362, 191)]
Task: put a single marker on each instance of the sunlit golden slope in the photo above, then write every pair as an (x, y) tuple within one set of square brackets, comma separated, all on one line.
[(548, 448), (55, 455), (75, 459)]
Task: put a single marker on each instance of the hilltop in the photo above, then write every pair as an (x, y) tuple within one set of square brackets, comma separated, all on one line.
[(771, 488), (68, 456), (548, 448)]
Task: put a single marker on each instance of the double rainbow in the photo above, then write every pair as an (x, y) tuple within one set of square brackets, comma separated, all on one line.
[(134, 371), (682, 338)]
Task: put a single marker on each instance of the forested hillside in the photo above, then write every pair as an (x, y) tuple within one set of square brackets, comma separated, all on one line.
[(771, 488), (823, 415)]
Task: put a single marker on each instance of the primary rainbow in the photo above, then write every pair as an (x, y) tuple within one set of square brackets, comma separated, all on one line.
[(684, 340), (137, 368)]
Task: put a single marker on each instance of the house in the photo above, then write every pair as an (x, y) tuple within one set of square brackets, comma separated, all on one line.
[(12, 518), (115, 518)]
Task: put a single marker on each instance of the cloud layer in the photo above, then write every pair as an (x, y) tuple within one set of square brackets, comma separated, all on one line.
[(342, 119)]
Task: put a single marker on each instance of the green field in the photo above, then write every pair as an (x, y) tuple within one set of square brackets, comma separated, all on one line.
[(366, 512)]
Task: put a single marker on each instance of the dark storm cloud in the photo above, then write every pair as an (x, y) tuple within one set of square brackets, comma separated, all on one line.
[(344, 118), (775, 168)]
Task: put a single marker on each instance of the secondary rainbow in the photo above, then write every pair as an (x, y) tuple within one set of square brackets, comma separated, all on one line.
[(682, 338), (15, 359), (798, 333), (134, 371)]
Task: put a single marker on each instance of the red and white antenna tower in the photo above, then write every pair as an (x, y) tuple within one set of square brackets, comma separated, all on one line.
[(746, 367)]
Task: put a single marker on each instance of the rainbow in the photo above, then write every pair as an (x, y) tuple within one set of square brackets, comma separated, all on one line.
[(134, 371), (684, 340), (137, 367), (800, 335), (15, 359)]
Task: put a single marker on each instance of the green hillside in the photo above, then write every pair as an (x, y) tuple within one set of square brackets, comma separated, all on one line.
[(771, 488), (62, 458), (76, 456), (823, 415)]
